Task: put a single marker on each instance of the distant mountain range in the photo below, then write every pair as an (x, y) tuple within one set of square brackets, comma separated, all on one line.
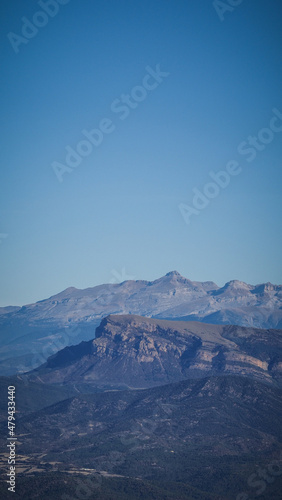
[(30, 334)]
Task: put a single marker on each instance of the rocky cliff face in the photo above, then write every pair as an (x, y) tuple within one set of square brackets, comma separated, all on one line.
[(38, 330), (143, 352)]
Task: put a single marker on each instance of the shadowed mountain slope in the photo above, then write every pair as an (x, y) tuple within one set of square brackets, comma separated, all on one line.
[(197, 439)]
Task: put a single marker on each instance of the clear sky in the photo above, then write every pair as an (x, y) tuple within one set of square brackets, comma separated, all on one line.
[(116, 215)]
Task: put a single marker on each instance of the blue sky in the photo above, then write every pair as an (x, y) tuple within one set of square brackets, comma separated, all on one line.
[(119, 208)]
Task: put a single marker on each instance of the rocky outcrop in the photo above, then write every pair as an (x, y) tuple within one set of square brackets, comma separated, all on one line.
[(143, 352)]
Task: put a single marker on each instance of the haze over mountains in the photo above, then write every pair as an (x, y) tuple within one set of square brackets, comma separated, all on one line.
[(36, 331)]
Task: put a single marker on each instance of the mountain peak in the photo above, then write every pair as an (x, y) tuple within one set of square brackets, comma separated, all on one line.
[(236, 284), (174, 273)]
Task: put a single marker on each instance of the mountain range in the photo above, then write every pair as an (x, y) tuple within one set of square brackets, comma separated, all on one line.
[(147, 408), (36, 331)]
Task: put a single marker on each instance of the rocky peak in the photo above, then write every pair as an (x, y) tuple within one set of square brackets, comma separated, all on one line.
[(174, 274), (266, 287)]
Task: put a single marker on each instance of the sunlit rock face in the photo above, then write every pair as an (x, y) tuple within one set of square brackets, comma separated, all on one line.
[(143, 352)]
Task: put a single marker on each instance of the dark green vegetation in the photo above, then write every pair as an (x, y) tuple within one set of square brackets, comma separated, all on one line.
[(63, 487), (60, 486), (195, 439), (167, 418)]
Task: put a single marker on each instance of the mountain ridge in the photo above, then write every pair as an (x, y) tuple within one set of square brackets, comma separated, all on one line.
[(36, 331), (198, 439), (141, 352)]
